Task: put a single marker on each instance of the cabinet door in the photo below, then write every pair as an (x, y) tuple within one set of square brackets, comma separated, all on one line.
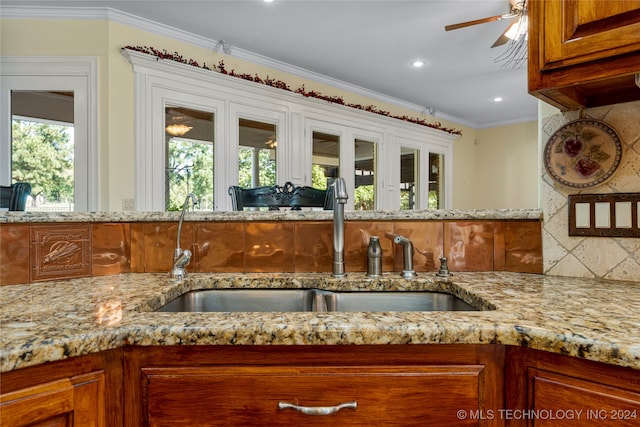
[(572, 401), (588, 30), (45, 404), (584, 53), (546, 389), (233, 396), (75, 401)]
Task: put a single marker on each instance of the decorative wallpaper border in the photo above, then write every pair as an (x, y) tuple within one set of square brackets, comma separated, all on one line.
[(279, 84)]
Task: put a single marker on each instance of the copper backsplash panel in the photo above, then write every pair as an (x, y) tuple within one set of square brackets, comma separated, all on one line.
[(60, 251), (313, 246), (219, 247), (46, 252), (159, 241), (111, 249), (269, 247), (468, 245), (14, 254), (356, 238), (523, 247)]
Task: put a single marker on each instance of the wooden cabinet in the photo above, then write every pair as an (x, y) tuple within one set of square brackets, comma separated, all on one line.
[(545, 389), (444, 385), (584, 53), (83, 391)]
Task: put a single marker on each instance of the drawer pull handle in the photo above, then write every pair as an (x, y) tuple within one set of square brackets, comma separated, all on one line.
[(318, 410)]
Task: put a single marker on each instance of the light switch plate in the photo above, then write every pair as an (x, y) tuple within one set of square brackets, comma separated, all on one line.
[(604, 215)]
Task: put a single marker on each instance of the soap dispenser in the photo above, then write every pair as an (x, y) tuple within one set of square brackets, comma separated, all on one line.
[(374, 257)]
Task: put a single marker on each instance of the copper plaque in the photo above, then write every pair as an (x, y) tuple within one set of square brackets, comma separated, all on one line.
[(60, 252)]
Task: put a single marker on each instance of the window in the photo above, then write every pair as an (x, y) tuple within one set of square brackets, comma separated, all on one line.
[(190, 148), (258, 142), (366, 164), (49, 131), (436, 181), (42, 155), (325, 163), (409, 178)]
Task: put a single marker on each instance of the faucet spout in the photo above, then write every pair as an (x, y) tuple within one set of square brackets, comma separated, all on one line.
[(340, 198), (407, 248), (181, 258)]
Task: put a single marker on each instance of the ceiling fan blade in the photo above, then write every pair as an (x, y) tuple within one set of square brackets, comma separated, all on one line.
[(502, 39), (514, 31), (474, 22)]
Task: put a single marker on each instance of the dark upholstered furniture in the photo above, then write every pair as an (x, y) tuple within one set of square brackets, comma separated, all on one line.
[(275, 197), (14, 197)]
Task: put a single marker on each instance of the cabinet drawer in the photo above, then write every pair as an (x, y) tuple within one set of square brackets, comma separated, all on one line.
[(232, 396)]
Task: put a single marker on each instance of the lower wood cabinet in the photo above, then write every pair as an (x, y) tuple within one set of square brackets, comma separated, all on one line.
[(411, 385), (545, 389), (83, 391), (395, 385)]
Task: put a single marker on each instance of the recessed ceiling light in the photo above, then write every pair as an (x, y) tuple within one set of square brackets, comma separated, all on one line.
[(497, 99), (267, 1), (417, 63)]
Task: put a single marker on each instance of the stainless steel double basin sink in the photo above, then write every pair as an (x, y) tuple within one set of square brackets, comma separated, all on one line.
[(313, 300)]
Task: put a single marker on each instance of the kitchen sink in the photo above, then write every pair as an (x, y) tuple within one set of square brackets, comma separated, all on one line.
[(394, 301), (296, 300)]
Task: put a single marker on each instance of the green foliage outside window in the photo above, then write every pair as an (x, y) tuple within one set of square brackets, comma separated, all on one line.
[(189, 170), (318, 179), (42, 155), (363, 198), (267, 167)]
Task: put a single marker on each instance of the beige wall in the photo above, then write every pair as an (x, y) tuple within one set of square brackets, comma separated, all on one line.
[(480, 170)]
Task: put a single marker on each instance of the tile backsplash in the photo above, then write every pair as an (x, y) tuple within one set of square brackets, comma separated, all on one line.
[(100, 249), (616, 258)]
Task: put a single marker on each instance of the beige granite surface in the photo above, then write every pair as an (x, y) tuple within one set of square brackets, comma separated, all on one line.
[(587, 318), (283, 215)]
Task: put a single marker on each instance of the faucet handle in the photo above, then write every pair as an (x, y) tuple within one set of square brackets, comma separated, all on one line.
[(444, 268)]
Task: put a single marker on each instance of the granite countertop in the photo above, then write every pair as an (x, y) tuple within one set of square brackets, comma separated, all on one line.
[(282, 215), (592, 319)]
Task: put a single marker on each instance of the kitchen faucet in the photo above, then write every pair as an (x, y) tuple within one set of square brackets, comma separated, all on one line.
[(407, 247), (181, 257), (340, 197)]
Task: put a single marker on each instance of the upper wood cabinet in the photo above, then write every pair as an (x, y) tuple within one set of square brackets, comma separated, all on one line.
[(584, 53)]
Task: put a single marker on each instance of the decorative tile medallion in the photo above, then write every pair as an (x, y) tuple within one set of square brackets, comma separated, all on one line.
[(59, 252), (583, 153)]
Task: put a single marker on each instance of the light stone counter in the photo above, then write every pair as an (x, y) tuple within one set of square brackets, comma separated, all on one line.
[(591, 319), (283, 215)]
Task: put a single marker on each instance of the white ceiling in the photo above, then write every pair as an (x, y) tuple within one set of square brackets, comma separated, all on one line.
[(368, 44)]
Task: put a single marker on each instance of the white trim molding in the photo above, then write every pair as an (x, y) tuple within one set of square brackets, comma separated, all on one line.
[(79, 73)]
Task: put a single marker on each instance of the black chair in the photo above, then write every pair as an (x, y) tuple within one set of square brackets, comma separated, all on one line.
[(14, 197), (275, 197)]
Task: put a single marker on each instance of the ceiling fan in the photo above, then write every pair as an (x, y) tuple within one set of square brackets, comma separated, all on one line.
[(515, 31)]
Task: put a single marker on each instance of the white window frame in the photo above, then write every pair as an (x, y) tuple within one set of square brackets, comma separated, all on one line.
[(58, 73), (376, 138), (265, 115), (151, 155)]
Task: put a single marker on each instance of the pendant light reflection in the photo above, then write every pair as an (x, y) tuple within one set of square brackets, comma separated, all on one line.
[(177, 129)]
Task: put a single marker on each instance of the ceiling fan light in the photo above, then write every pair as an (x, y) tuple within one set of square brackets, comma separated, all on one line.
[(517, 29)]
